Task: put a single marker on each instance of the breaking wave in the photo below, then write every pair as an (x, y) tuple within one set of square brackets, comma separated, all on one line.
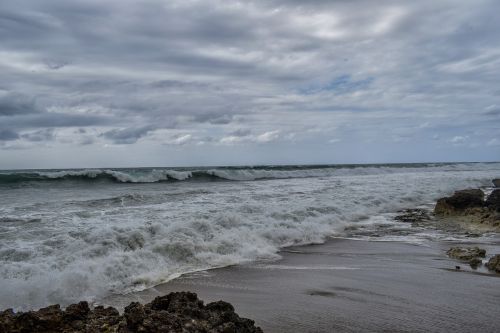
[(61, 244), (227, 173)]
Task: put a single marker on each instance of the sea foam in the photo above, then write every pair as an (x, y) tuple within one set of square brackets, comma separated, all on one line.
[(65, 241)]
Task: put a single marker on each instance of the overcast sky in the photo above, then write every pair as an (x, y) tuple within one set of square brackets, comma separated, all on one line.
[(92, 83)]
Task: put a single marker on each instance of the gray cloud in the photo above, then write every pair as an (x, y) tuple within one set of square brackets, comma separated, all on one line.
[(215, 119), (492, 110), (16, 104), (241, 132), (127, 135), (8, 135), (40, 135), (316, 70), (55, 119)]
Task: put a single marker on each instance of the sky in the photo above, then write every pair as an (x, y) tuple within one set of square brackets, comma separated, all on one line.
[(122, 83)]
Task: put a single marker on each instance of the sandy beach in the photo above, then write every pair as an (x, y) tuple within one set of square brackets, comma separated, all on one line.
[(352, 286)]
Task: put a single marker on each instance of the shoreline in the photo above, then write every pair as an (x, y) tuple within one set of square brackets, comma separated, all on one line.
[(351, 286)]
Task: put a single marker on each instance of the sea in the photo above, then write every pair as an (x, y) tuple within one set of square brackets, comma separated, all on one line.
[(85, 234)]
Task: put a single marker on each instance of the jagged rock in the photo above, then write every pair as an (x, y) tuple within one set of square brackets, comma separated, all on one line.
[(459, 202), (496, 182), (134, 314), (475, 262), (494, 263), (413, 215), (175, 312), (493, 201), (44, 320), (467, 254), (77, 311)]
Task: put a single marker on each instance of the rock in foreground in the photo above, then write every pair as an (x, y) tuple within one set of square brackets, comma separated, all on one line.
[(175, 312)]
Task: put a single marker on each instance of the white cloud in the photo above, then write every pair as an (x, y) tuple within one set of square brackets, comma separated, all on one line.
[(180, 140), (232, 139), (459, 139), (267, 137), (493, 142)]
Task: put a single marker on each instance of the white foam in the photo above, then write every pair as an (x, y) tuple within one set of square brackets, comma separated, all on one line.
[(81, 243)]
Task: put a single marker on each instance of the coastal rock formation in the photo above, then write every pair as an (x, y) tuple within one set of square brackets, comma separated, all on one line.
[(496, 182), (459, 202), (493, 201), (471, 255), (175, 312), (467, 209), (494, 263)]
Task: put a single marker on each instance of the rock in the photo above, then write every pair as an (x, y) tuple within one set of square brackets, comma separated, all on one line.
[(175, 312), (134, 314), (467, 254), (77, 311), (459, 202), (43, 320), (493, 201), (494, 263), (413, 215), (496, 182), (475, 262)]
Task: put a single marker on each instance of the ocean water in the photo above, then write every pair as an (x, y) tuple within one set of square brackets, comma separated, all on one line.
[(68, 235)]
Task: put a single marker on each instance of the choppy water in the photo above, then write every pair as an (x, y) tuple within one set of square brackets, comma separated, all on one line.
[(68, 235)]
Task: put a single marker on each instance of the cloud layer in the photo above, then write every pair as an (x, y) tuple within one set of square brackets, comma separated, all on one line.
[(218, 82)]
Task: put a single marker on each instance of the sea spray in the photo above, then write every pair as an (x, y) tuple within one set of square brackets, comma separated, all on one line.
[(63, 239)]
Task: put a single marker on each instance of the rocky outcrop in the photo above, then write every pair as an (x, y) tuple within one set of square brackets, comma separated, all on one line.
[(467, 209), (470, 255), (494, 263), (493, 201), (175, 312), (496, 182), (460, 202)]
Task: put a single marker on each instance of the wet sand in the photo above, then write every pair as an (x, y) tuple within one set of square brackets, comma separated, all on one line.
[(352, 286)]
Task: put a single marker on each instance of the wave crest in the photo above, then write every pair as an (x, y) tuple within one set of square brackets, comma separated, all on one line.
[(230, 173)]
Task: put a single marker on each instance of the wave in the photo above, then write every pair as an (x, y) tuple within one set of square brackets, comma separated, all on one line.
[(65, 246), (228, 173), (151, 176)]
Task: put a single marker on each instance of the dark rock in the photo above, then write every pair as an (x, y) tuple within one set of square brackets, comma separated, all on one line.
[(467, 254), (134, 314), (413, 215), (493, 201), (494, 263), (475, 262), (7, 321), (220, 306), (496, 182), (459, 202), (44, 320), (175, 312), (161, 321), (77, 311)]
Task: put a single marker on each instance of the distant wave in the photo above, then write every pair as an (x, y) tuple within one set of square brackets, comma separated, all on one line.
[(226, 173)]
